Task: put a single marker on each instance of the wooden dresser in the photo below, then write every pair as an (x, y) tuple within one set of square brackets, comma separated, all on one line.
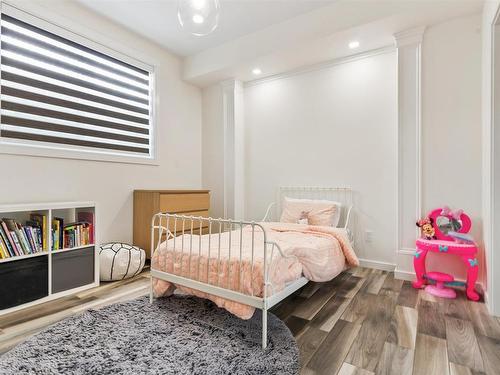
[(150, 202)]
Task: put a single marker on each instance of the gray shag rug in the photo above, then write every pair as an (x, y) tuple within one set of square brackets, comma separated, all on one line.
[(175, 335)]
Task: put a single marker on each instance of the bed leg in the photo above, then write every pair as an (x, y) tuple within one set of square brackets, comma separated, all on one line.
[(151, 289), (264, 329)]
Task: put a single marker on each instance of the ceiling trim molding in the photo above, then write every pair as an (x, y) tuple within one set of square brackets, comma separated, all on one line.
[(410, 36), (322, 65)]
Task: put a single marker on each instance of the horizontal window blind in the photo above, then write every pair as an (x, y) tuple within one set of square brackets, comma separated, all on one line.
[(57, 92)]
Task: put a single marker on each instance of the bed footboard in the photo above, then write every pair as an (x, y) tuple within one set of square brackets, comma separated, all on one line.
[(185, 232)]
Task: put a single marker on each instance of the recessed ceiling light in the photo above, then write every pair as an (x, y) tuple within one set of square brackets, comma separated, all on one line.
[(198, 18), (198, 4), (353, 44), (256, 71)]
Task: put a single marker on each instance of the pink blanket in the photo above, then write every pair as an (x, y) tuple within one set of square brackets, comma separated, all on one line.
[(319, 253)]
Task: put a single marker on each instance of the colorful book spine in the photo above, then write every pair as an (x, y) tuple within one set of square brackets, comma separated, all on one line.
[(57, 233), (3, 249), (17, 244), (31, 241), (21, 236), (69, 236), (87, 217), (6, 241), (32, 233), (42, 224), (11, 240), (38, 235)]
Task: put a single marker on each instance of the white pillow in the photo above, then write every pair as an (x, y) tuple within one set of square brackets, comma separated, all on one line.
[(319, 212)]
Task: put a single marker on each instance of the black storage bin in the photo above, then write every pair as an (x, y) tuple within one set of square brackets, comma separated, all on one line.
[(23, 281), (72, 269)]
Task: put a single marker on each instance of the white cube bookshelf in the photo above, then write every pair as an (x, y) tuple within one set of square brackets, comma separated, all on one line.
[(30, 279)]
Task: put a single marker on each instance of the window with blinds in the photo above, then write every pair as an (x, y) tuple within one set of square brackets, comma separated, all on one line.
[(57, 93)]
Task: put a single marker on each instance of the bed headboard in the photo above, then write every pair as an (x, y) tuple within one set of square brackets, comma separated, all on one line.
[(344, 195)]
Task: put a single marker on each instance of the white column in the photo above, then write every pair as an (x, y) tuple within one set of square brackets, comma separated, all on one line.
[(409, 44), (491, 153), (234, 149)]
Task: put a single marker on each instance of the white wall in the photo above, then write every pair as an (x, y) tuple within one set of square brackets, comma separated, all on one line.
[(491, 183), (110, 185), (213, 147), (331, 127), (451, 125), (292, 124)]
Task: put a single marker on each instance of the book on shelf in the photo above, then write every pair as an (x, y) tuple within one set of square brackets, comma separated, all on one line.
[(17, 239), (4, 252), (29, 237), (42, 224), (87, 217), (36, 233), (18, 236), (77, 234), (7, 239), (57, 233), (17, 244)]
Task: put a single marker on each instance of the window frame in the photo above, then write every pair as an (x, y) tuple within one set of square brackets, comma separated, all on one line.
[(88, 39)]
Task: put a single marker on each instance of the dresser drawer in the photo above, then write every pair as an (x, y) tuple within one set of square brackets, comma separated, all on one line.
[(172, 203), (147, 203)]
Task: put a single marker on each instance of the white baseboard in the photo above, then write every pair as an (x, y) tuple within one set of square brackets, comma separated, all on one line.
[(384, 266), (404, 275)]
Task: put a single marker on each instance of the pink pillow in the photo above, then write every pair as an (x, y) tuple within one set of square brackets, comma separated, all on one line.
[(318, 212)]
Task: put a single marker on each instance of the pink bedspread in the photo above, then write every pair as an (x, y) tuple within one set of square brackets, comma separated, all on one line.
[(319, 253)]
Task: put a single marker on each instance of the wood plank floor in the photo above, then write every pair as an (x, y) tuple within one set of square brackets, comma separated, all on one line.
[(370, 323), (362, 322)]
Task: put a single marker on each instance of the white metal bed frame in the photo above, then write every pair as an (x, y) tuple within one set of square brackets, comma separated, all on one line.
[(161, 225)]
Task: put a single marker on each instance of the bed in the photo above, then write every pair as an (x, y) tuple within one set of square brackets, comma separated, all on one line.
[(243, 265)]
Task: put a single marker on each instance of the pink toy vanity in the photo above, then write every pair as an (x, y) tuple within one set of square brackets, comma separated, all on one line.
[(443, 222)]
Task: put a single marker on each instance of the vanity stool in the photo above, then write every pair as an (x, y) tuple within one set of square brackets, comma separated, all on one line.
[(440, 289)]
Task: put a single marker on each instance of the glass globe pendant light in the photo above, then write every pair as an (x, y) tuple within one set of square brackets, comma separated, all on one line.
[(198, 17)]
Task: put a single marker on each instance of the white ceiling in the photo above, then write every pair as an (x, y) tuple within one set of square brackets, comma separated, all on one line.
[(277, 36), (157, 19), (320, 36)]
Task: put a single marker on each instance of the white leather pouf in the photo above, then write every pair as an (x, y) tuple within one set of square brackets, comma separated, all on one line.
[(120, 261)]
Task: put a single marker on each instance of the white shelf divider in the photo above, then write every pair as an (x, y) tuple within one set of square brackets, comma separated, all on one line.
[(71, 248), (19, 257)]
